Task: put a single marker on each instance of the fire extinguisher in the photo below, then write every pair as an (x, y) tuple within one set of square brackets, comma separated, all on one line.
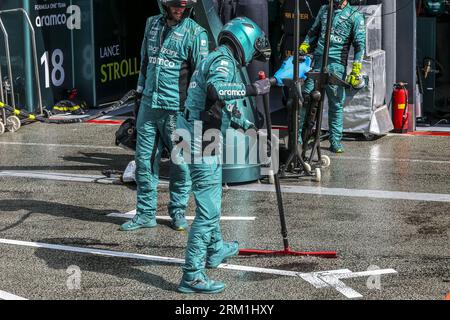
[(400, 103)]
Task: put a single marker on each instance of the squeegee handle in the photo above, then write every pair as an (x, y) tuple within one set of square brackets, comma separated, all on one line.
[(284, 232)]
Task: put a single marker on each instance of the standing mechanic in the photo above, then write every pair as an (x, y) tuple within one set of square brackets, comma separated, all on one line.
[(173, 46), (348, 28), (214, 83)]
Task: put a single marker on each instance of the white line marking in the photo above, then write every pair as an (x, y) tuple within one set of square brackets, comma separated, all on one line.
[(363, 274), (77, 146), (8, 296), (389, 160), (334, 280), (433, 129), (341, 192), (72, 177), (132, 214), (341, 287), (92, 251), (317, 279), (353, 193)]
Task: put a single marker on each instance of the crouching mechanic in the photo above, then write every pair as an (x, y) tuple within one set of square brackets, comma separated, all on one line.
[(173, 47), (348, 28), (216, 81)]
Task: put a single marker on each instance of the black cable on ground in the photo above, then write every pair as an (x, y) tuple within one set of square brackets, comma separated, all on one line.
[(33, 118)]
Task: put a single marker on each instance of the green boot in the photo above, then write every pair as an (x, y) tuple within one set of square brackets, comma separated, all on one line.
[(337, 147), (139, 222), (200, 284), (217, 258), (179, 222)]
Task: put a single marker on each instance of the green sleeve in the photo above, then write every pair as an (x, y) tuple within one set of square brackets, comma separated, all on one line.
[(220, 77), (314, 33), (359, 37), (200, 48), (144, 60)]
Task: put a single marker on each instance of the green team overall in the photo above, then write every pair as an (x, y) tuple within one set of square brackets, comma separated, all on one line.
[(215, 82), (348, 28), (173, 47)]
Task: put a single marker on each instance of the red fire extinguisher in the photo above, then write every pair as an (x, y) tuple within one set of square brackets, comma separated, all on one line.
[(400, 102)]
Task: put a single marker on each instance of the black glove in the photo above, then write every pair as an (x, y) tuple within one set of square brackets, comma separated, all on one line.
[(262, 87)]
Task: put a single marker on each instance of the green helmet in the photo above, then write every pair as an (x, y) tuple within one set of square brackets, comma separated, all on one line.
[(247, 39)]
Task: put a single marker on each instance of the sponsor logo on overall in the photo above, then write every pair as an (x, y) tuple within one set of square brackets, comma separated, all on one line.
[(153, 33), (177, 36), (223, 67), (169, 52), (336, 38), (161, 62), (153, 49), (230, 92), (223, 70)]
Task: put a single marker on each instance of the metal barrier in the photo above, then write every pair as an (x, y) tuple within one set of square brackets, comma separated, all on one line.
[(12, 123)]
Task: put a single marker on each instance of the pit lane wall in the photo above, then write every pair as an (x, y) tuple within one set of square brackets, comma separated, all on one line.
[(91, 45)]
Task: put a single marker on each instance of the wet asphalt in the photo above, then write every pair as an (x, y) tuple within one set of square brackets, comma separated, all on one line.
[(408, 236)]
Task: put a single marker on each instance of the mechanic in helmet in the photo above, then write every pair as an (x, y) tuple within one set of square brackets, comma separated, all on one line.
[(348, 29), (216, 81), (173, 46)]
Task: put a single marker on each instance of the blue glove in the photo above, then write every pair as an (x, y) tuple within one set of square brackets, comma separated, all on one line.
[(287, 70)]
